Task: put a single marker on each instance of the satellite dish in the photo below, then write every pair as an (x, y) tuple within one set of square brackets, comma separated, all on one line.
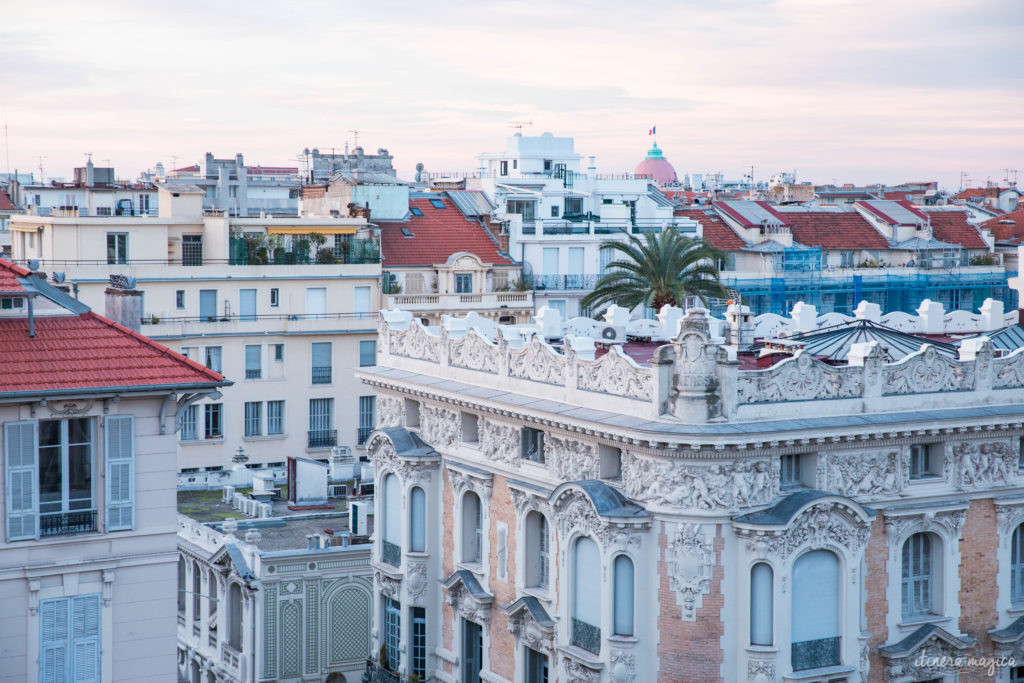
[(419, 166), (129, 282), (58, 277)]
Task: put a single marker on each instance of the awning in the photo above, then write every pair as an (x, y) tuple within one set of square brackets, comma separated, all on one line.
[(306, 229)]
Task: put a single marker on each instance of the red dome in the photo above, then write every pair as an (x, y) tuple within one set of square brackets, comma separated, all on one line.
[(656, 167)]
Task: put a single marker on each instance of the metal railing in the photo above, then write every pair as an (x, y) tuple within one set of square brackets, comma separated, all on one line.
[(815, 654), (322, 375), (60, 523), (253, 373), (323, 438), (364, 434), (391, 554), (50, 264), (83, 212), (586, 636), (377, 673), (229, 656), (563, 282), (156, 320)]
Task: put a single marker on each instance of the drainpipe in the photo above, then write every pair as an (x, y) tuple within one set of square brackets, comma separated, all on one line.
[(31, 318)]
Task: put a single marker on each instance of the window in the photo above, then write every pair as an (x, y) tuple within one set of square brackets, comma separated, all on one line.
[(412, 413), (316, 302), (191, 250), (278, 352), (846, 259), (623, 613), (526, 209), (537, 554), (790, 470), (247, 305), (815, 627), (275, 417), (415, 211), (532, 445), (463, 283), (536, 667), (417, 520), (212, 423), (181, 585), (197, 593), (728, 261), (761, 599), (586, 596), (11, 303), (190, 423), (69, 639), (367, 417), (275, 297), (235, 617), (472, 528), (208, 305), (179, 299), (470, 428), (472, 652), (65, 471), (547, 164), (503, 167), (391, 544), (1017, 566), (922, 463), (321, 354), (253, 418), (213, 358), (414, 283), (361, 297), (918, 575), (573, 206), (1020, 453), (367, 352), (437, 203), (607, 255), (554, 211), (321, 423), (392, 633), (117, 248), (253, 364), (419, 642), (610, 461)]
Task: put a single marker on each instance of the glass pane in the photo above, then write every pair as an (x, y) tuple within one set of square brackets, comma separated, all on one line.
[(50, 478), (80, 477)]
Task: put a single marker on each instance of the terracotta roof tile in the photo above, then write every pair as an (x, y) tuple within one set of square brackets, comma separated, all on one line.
[(5, 202), (1006, 228), (436, 235), (716, 232), (952, 227), (8, 277), (834, 230)]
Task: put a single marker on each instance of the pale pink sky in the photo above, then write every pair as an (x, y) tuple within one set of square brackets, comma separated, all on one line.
[(852, 90)]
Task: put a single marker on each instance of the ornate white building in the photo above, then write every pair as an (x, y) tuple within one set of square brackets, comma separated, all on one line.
[(545, 515)]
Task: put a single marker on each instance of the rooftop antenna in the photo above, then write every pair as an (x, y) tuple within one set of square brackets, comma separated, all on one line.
[(42, 178), (963, 178), (355, 134), (88, 156), (7, 146), (174, 161), (519, 125), (1007, 172)]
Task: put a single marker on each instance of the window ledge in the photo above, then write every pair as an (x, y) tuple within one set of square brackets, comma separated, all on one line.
[(824, 672), (914, 622), (417, 553), (761, 649), (538, 592), (212, 439), (624, 640), (1015, 610), (265, 437)]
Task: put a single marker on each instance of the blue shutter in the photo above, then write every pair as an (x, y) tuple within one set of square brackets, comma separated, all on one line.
[(53, 640), (21, 479), (85, 638), (120, 433)]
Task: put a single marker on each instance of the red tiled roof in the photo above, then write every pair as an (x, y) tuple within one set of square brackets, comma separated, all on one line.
[(952, 227), (436, 235), (976, 192), (834, 230), (5, 202), (716, 232), (88, 351), (184, 169), (1006, 228), (8, 277)]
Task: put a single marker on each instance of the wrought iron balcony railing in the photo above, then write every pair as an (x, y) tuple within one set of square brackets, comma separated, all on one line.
[(391, 554), (61, 523), (323, 438), (815, 654), (586, 636), (322, 375)]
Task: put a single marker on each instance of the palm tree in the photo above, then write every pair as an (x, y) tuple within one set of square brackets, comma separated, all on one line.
[(664, 268)]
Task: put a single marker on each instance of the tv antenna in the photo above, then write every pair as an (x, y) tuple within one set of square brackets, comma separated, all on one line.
[(1007, 172), (519, 125), (7, 146), (355, 135), (42, 178), (88, 156), (174, 161)]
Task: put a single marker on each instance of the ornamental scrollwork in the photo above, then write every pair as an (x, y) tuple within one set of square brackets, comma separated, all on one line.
[(413, 341), (576, 514), (474, 352), (463, 481), (690, 556), (863, 474), (897, 525), (984, 464), (1009, 370), (389, 412), (537, 362), (616, 374), (528, 632), (737, 484), (821, 524), (571, 460), (800, 378), (623, 666), (577, 671), (68, 408), (416, 580), (760, 671), (927, 371), (441, 427), (388, 586), (499, 442), (382, 454), (466, 606)]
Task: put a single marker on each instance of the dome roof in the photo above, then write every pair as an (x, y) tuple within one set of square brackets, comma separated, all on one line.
[(656, 167)]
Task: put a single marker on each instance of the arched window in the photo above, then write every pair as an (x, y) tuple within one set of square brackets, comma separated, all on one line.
[(391, 549), (815, 628), (586, 596), (235, 617), (418, 520), (181, 585), (761, 604), (623, 596), (472, 523), (197, 592), (1017, 565), (918, 575), (537, 556), (213, 594)]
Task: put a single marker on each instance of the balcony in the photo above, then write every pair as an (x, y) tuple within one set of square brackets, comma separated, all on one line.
[(323, 438), (391, 554), (586, 636), (62, 523), (251, 373), (364, 434), (229, 656), (563, 282), (322, 375), (460, 302), (815, 654), (258, 253)]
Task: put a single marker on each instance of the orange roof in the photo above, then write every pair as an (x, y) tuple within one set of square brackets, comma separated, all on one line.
[(1006, 228), (953, 227), (716, 232), (436, 234), (5, 202), (834, 230), (9, 274)]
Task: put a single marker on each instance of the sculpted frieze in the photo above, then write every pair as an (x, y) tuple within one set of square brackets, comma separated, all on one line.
[(800, 378), (382, 455), (413, 341), (818, 526), (571, 460), (984, 464), (690, 556), (898, 525), (725, 486), (537, 362), (441, 427), (473, 352), (499, 442), (389, 411), (616, 374), (863, 474), (927, 371)]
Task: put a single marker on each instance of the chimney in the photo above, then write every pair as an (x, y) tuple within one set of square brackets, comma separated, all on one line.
[(90, 174), (741, 327), (124, 306)]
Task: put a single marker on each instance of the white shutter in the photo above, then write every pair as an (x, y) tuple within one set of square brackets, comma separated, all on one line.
[(120, 433), (85, 638), (22, 476), (53, 640)]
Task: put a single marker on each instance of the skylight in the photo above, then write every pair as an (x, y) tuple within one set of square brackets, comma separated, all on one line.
[(406, 232), (415, 211), (437, 203)]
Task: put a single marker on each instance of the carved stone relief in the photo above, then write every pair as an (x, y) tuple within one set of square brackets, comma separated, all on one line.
[(389, 411), (623, 666), (760, 671), (863, 474), (571, 460), (466, 606), (528, 632), (499, 442), (800, 378), (413, 341), (821, 524), (896, 525), (690, 556), (576, 514), (441, 427), (388, 587), (416, 580), (732, 485), (577, 671), (384, 459), (462, 482), (616, 374), (536, 361), (927, 371), (984, 464), (473, 352), (1009, 370)]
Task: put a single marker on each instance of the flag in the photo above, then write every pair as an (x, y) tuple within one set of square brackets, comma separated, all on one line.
[(652, 131)]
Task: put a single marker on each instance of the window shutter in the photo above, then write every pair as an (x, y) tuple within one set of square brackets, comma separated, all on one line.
[(120, 434), (85, 634), (22, 474), (53, 640)]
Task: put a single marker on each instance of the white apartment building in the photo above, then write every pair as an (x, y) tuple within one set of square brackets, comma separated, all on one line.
[(285, 307), (87, 557), (95, 191), (229, 185)]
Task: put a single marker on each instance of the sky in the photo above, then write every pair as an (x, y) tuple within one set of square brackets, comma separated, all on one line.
[(838, 90)]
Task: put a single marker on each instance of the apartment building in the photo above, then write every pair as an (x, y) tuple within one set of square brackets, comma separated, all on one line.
[(283, 306), (678, 512), (89, 412)]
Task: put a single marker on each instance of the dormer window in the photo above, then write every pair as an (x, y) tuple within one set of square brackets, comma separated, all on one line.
[(415, 211), (8, 303), (437, 203)]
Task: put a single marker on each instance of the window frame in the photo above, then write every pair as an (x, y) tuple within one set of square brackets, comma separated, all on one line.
[(918, 575), (923, 465), (532, 445), (277, 420), (213, 417), (117, 248), (367, 417), (372, 345), (252, 418)]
